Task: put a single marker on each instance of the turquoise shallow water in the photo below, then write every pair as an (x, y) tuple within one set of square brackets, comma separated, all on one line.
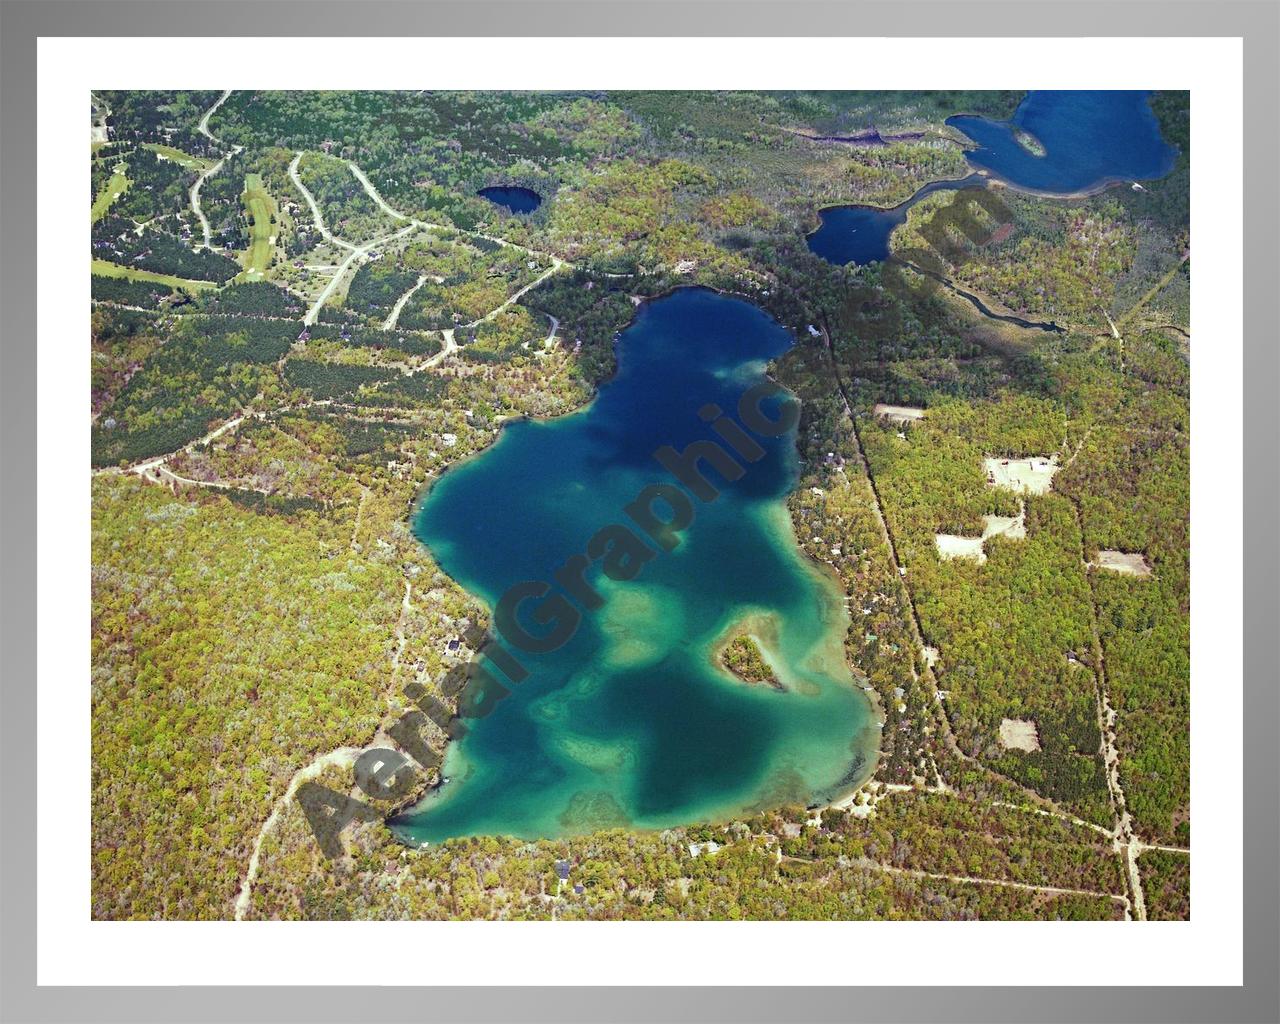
[(630, 721)]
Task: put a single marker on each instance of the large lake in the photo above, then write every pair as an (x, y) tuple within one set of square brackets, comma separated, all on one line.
[(1089, 139), (631, 722)]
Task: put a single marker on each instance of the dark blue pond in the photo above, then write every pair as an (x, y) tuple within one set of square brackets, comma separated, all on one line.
[(512, 197), (1090, 140), (860, 234)]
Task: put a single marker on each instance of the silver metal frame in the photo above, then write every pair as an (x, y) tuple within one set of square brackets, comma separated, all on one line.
[(1258, 23)]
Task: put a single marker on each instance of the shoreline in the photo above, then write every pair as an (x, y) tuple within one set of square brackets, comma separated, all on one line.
[(829, 579), (416, 504), (1015, 127), (937, 184), (761, 628)]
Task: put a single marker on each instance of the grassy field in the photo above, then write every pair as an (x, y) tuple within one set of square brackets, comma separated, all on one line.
[(114, 189), (262, 210), (178, 156), (107, 269)]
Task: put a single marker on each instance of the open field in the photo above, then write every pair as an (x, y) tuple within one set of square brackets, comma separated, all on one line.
[(1025, 476), (107, 269), (261, 209), (1123, 562), (1013, 527), (1019, 734), (194, 163), (113, 190), (951, 546), (897, 414)]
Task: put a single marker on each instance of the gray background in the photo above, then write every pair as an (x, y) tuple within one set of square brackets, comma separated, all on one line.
[(22, 22)]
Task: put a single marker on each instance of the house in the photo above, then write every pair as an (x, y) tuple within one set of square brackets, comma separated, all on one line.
[(562, 870)]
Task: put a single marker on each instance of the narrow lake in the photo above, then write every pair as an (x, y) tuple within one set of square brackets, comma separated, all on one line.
[(860, 234), (632, 722), (512, 197)]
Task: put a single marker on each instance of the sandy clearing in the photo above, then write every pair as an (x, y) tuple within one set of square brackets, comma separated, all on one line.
[(950, 546), (1033, 475), (1013, 527), (900, 415), (1125, 562), (1019, 734)]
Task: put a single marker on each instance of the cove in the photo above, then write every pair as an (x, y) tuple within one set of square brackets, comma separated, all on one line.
[(860, 234), (513, 197), (633, 722), (1090, 139)]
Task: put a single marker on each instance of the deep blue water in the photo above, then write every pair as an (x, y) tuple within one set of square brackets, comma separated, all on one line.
[(860, 234), (513, 197), (631, 721), (1090, 140)]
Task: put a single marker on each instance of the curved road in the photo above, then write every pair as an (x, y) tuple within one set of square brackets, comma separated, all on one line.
[(194, 194), (374, 194), (340, 758), (203, 126), (316, 215), (394, 315)]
